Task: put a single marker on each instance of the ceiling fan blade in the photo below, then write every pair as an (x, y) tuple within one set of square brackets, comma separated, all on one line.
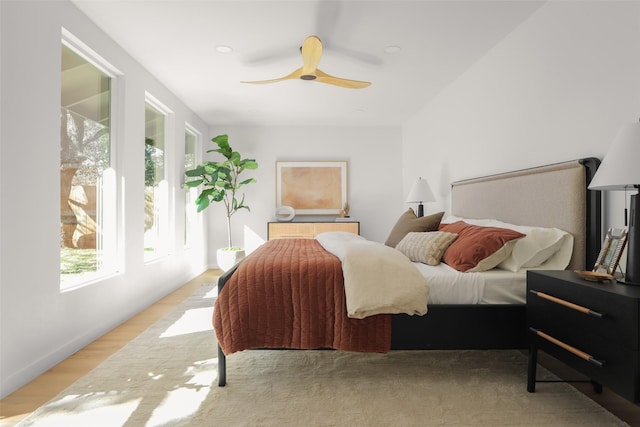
[(295, 75), (323, 77), (311, 52)]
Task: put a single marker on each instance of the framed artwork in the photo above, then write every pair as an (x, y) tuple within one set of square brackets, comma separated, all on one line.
[(312, 188), (612, 247)]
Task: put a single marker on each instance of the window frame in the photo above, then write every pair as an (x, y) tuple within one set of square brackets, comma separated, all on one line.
[(166, 227), (191, 236), (115, 253)]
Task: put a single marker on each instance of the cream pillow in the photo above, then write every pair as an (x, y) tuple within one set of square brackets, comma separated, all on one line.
[(426, 247), (550, 248)]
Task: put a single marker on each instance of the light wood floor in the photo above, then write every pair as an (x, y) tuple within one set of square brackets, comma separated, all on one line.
[(27, 399)]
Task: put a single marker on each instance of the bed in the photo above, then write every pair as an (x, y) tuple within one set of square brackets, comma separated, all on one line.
[(552, 196)]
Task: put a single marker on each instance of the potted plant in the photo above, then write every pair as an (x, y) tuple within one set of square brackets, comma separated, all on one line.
[(220, 183)]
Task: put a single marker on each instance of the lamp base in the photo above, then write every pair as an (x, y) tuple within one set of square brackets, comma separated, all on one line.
[(420, 210), (632, 275)]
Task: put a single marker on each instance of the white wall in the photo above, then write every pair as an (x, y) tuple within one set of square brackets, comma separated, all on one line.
[(39, 324), (374, 173), (557, 88)]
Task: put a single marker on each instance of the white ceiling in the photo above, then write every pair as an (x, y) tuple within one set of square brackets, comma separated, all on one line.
[(176, 41)]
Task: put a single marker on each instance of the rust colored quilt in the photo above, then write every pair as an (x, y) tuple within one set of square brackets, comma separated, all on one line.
[(289, 293)]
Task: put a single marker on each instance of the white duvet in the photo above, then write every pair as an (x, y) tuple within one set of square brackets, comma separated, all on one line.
[(377, 279), (449, 286)]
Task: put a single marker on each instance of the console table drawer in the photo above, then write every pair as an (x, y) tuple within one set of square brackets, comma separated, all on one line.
[(291, 230), (308, 230)]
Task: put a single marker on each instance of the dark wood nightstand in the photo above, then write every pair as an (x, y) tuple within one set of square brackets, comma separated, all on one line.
[(592, 327)]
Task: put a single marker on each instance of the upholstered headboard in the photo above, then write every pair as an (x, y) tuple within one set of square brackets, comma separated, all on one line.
[(547, 196)]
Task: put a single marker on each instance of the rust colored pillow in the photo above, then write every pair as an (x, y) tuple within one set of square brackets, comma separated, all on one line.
[(478, 248), (409, 222)]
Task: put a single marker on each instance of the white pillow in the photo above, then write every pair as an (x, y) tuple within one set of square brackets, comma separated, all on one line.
[(548, 248)]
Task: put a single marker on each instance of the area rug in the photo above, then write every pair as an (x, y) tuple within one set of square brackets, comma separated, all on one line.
[(167, 377)]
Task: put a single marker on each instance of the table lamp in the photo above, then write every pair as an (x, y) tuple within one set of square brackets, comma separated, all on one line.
[(619, 170), (420, 192)]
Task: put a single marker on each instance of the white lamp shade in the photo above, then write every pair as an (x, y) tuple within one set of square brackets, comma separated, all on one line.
[(420, 192), (620, 168)]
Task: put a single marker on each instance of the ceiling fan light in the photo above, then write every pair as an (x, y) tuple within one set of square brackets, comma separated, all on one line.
[(224, 49)]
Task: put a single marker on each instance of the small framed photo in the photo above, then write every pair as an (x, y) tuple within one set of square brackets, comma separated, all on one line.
[(612, 247), (312, 188)]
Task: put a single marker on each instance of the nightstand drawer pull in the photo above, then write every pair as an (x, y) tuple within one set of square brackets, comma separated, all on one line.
[(581, 354), (568, 304)]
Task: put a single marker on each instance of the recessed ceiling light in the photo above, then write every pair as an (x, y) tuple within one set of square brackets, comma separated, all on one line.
[(224, 49), (392, 49)]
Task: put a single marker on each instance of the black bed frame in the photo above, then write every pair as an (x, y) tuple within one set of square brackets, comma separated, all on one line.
[(472, 326), (467, 327)]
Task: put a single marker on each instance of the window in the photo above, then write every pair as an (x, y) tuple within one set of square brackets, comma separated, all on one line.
[(191, 144), (155, 183), (87, 175)]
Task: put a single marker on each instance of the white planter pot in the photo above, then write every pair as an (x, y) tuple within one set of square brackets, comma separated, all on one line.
[(228, 258)]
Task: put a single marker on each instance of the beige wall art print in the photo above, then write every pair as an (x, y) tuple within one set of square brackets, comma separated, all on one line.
[(318, 188)]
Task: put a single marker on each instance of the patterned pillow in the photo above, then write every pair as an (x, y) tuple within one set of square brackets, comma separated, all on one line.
[(426, 247)]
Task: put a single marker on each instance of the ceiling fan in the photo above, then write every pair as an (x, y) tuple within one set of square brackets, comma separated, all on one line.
[(311, 52)]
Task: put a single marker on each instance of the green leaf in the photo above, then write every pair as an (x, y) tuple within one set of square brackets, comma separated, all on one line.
[(249, 164), (218, 196), (202, 203), (195, 183), (195, 172), (247, 181), (223, 169), (221, 140), (235, 158)]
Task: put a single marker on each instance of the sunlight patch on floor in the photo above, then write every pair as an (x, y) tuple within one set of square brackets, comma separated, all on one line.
[(179, 404), (194, 320), (91, 408), (185, 401), (213, 293)]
